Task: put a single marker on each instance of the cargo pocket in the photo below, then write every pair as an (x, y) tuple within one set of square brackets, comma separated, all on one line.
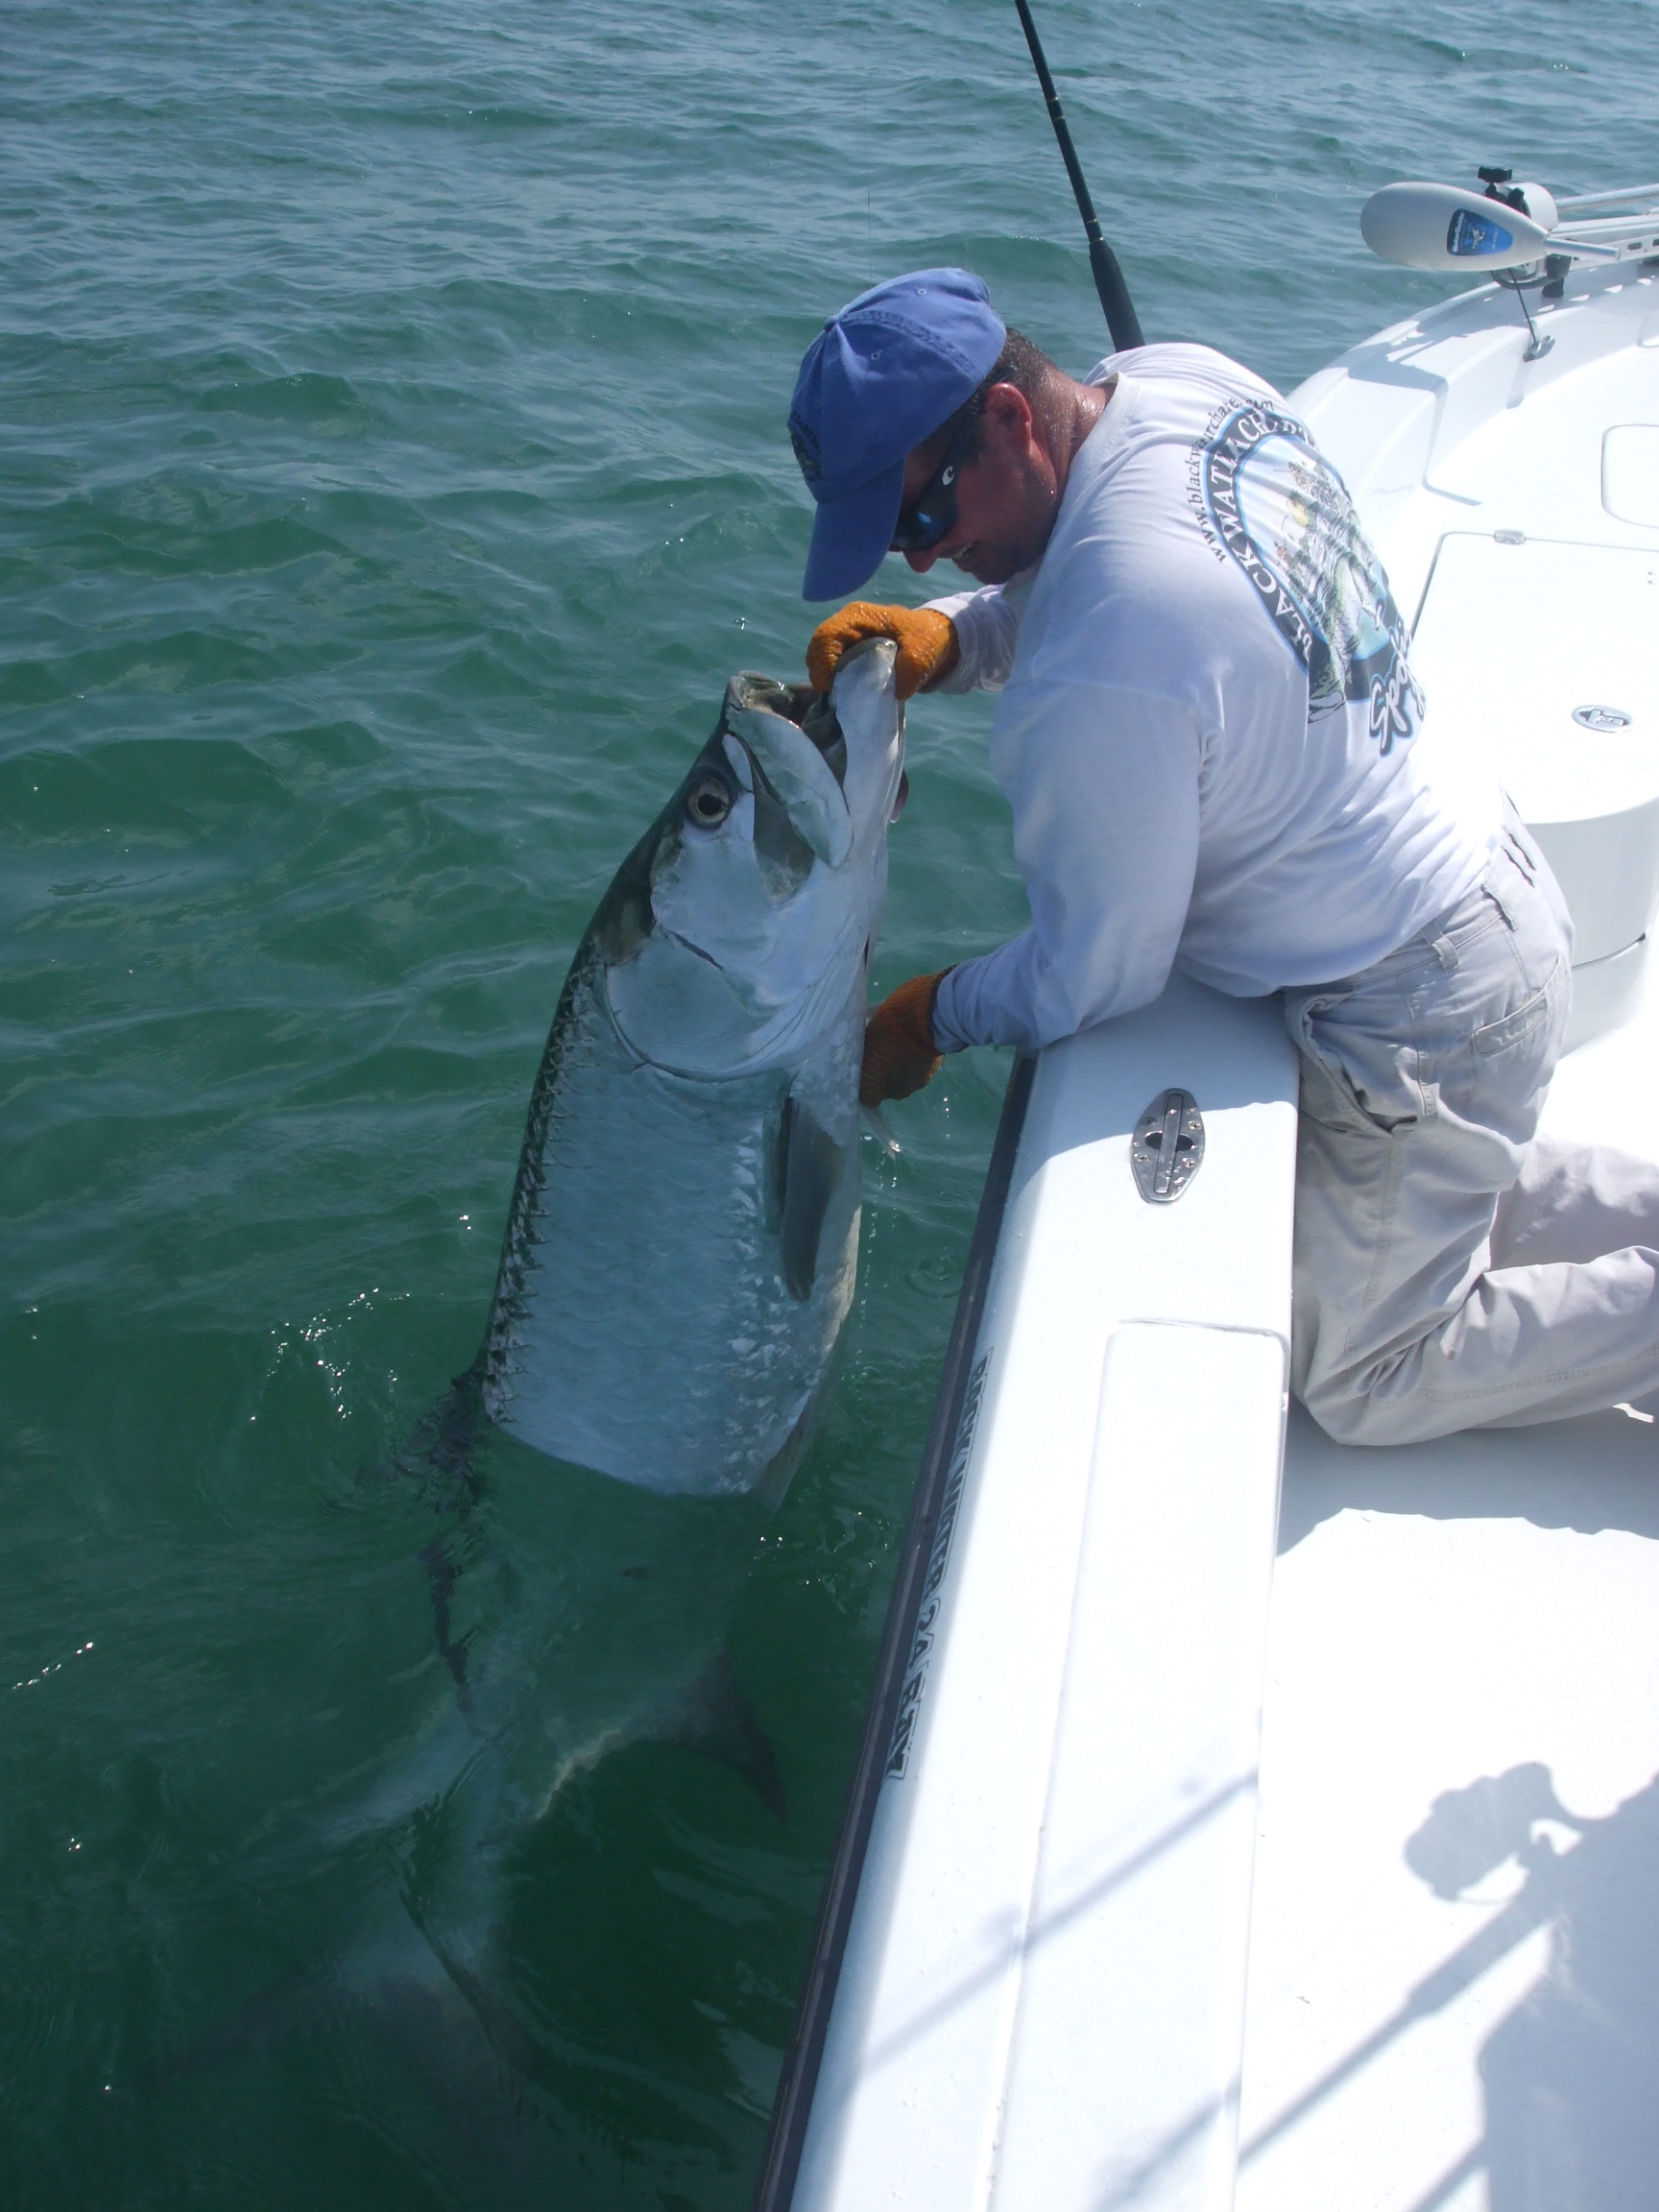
[(1330, 1093)]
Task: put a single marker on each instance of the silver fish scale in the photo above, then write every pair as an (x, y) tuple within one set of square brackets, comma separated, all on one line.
[(642, 1324)]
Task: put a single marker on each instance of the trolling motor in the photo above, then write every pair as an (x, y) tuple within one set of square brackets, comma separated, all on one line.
[(1517, 235)]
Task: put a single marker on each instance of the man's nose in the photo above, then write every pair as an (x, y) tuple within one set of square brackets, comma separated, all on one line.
[(922, 561)]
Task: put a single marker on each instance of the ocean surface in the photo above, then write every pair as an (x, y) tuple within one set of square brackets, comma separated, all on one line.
[(392, 471)]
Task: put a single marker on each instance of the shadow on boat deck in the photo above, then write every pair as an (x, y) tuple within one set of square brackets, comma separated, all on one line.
[(1570, 2120), (1600, 1471)]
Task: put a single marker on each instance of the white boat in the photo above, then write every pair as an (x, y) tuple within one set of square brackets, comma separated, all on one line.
[(1241, 1819)]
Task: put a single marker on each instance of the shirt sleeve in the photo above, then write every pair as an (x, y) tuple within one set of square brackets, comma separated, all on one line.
[(987, 630), (1104, 785)]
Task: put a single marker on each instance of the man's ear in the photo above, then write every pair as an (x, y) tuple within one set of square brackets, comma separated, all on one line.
[(1008, 412)]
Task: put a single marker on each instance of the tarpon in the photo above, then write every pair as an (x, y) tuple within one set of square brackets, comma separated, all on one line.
[(678, 1263), (683, 1234), (679, 1257), (681, 1244)]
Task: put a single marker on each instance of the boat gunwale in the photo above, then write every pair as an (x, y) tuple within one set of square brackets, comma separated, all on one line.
[(797, 2080)]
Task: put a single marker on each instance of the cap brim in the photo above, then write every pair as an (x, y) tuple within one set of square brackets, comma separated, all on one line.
[(850, 534)]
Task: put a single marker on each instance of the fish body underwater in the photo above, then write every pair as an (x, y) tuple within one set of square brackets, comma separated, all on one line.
[(678, 1265), (679, 1258)]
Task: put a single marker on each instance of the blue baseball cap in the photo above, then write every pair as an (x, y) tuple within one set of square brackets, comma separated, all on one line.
[(881, 376)]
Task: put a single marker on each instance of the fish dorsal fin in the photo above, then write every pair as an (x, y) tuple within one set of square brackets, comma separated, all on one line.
[(713, 1715), (810, 1165)]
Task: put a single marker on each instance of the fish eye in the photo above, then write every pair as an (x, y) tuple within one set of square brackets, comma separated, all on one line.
[(709, 800)]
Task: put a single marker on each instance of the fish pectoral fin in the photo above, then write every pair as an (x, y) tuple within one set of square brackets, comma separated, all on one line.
[(810, 1168), (713, 1715)]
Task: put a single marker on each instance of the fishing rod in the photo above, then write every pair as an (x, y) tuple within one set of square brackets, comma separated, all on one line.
[(1121, 318)]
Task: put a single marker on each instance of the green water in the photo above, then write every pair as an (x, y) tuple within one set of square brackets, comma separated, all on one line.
[(393, 473)]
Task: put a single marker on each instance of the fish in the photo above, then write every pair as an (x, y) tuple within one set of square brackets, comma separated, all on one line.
[(677, 1267), (679, 1258), (682, 1240)]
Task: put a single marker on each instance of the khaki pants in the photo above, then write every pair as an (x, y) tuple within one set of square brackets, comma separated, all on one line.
[(1453, 1271)]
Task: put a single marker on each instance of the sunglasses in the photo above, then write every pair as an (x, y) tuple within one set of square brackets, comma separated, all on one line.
[(933, 513)]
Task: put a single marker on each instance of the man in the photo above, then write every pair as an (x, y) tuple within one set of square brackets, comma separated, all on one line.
[(1207, 735)]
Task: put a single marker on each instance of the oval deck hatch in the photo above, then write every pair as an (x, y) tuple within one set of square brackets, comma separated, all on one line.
[(1166, 1147)]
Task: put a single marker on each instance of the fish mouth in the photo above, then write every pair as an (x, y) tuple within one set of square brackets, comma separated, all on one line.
[(810, 711)]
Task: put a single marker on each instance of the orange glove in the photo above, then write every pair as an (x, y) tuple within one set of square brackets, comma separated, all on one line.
[(926, 639), (900, 1053)]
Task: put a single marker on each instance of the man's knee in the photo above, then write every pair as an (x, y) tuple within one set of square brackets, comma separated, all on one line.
[(1377, 1407)]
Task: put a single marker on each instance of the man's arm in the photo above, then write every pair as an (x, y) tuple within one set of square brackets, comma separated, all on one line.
[(1104, 787), (926, 642), (961, 643), (987, 627)]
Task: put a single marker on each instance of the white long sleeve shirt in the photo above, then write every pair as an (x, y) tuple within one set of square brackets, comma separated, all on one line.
[(1207, 724)]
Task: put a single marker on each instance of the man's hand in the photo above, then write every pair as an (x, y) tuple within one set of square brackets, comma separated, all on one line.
[(900, 1053), (926, 639)]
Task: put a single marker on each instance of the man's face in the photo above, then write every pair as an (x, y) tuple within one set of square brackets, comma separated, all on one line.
[(1006, 496)]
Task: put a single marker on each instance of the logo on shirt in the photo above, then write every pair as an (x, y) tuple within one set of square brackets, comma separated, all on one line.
[(1266, 499)]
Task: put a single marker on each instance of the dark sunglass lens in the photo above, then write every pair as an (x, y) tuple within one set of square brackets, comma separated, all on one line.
[(923, 525), (920, 527)]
